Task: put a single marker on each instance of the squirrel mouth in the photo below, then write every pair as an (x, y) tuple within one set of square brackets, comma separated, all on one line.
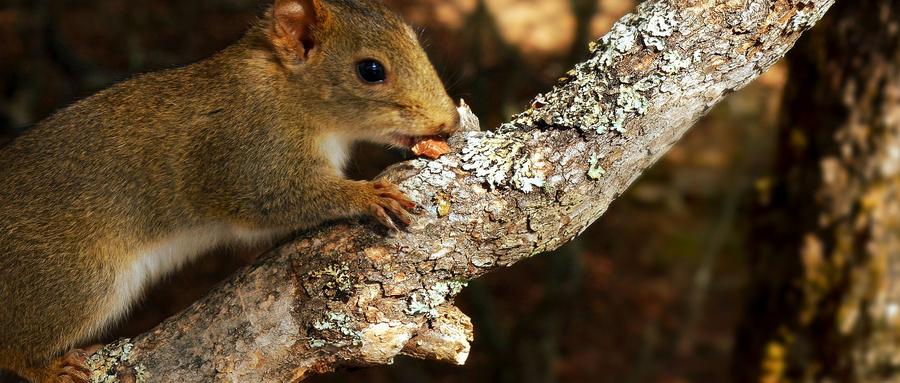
[(408, 141), (440, 133)]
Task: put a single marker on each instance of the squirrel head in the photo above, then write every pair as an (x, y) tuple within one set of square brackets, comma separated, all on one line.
[(356, 67)]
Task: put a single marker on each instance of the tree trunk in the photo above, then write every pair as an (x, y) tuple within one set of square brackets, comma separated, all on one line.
[(348, 295), (823, 298)]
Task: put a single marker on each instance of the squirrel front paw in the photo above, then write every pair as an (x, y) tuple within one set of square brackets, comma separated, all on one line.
[(389, 198), (70, 368)]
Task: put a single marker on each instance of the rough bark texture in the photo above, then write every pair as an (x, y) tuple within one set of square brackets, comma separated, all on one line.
[(349, 295), (823, 302)]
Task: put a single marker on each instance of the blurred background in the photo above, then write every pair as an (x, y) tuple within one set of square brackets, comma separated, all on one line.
[(651, 292)]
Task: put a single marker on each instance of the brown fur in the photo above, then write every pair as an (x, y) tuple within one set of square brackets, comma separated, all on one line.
[(232, 140)]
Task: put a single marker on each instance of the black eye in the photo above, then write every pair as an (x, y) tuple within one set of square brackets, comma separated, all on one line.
[(370, 71)]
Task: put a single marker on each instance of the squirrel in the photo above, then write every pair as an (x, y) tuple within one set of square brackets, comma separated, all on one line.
[(107, 195)]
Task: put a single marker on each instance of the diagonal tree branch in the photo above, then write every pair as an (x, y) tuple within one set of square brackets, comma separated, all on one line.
[(349, 295)]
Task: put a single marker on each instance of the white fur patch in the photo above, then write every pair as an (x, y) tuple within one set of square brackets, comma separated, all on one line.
[(336, 148), (173, 252)]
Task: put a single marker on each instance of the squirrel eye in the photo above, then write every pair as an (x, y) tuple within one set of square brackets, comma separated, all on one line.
[(370, 71)]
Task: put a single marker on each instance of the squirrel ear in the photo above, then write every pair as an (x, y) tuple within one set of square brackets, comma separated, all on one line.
[(295, 21)]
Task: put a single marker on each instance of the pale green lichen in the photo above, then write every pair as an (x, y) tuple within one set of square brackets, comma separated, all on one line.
[(140, 374), (660, 23), (630, 100), (591, 97), (341, 279), (339, 323), (674, 62), (807, 17), (624, 42), (501, 160), (595, 171), (317, 343), (656, 26), (651, 81), (104, 362), (427, 300)]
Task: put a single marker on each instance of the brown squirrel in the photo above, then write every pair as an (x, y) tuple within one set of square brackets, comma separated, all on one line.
[(106, 195)]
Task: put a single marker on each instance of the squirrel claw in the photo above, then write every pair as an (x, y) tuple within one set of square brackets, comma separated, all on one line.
[(72, 368), (382, 217), (391, 200)]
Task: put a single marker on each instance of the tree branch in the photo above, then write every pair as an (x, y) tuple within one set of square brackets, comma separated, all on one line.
[(349, 295)]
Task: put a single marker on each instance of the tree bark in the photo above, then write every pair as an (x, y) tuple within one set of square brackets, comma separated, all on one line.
[(823, 299), (350, 295)]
